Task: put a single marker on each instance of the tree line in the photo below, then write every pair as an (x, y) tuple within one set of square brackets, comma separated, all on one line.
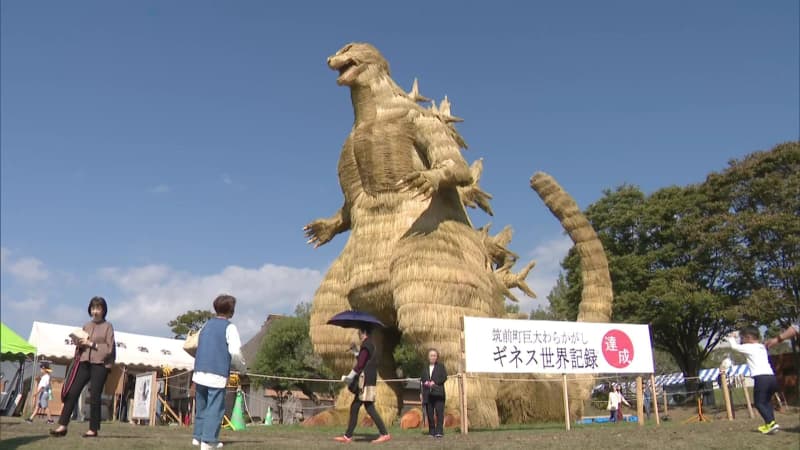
[(695, 262)]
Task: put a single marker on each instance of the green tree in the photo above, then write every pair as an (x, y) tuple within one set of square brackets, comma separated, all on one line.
[(666, 259), (664, 362), (557, 308), (189, 321), (762, 195), (287, 352), (409, 359)]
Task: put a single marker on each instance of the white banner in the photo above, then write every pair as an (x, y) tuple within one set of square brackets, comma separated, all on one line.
[(538, 346)]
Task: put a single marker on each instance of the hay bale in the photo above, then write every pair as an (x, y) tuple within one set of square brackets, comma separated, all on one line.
[(541, 401), (411, 419)]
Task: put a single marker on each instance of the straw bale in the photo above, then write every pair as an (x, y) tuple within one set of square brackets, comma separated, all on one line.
[(411, 419), (540, 401)]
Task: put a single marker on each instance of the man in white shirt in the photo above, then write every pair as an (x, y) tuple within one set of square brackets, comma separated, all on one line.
[(764, 382), (42, 394)]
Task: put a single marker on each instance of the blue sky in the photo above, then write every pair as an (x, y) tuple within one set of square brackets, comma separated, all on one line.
[(157, 153)]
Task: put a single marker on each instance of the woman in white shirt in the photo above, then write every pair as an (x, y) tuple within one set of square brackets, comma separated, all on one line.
[(615, 398)]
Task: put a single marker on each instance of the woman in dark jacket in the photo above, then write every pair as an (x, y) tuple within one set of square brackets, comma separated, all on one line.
[(366, 369), (433, 377), (97, 353)]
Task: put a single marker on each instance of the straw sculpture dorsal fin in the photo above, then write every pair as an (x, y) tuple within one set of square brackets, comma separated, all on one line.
[(415, 95), (444, 112)]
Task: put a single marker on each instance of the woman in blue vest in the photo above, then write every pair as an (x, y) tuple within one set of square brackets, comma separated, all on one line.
[(219, 345)]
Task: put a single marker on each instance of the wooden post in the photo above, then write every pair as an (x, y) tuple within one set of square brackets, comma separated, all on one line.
[(639, 401), (655, 397), (462, 384), (566, 401), (747, 397), (153, 397), (726, 393), (666, 403)]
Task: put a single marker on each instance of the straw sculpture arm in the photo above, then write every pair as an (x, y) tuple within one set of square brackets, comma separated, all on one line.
[(447, 168), (321, 231), (473, 196)]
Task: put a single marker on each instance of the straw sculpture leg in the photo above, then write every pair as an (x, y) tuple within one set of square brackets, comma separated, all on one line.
[(439, 275)]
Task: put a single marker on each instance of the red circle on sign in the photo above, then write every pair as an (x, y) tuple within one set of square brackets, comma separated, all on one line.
[(617, 349)]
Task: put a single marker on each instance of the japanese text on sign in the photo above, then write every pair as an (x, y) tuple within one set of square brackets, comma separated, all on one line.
[(527, 346)]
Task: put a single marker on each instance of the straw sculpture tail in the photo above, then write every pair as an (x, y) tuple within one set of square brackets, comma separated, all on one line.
[(523, 402), (413, 258)]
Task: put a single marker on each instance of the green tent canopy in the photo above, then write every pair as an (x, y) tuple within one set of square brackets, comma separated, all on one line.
[(12, 346)]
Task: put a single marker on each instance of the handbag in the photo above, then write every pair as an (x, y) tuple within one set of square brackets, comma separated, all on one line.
[(192, 342), (71, 374), (353, 386)]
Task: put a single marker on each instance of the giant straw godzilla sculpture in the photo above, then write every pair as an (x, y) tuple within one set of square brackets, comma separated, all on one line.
[(413, 258)]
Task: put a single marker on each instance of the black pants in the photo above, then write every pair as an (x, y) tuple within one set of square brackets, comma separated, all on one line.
[(370, 407), (95, 375), (435, 422), (764, 387)]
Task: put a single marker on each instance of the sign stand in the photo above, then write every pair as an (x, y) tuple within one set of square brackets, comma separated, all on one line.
[(462, 384), (639, 401), (666, 403), (700, 417), (726, 393), (747, 397), (566, 401), (655, 397)]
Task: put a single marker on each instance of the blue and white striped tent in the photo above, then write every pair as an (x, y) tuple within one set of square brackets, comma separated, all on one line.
[(705, 375)]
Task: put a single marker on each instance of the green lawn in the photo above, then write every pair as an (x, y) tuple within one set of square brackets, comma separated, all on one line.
[(672, 434)]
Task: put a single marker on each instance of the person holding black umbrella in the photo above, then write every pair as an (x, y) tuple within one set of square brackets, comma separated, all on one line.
[(432, 379), (364, 388)]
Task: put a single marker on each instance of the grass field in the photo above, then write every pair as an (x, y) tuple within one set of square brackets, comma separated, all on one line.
[(672, 434)]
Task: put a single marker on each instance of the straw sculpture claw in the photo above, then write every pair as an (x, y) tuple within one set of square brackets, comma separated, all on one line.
[(473, 196)]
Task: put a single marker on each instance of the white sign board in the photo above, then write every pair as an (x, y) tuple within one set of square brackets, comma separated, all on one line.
[(143, 396), (537, 346)]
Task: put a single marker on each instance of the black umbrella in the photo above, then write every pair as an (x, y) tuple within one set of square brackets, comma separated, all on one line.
[(354, 319)]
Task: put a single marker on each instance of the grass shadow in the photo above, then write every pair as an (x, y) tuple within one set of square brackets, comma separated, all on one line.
[(20, 441)]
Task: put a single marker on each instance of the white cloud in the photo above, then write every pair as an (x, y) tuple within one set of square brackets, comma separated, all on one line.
[(548, 256), (153, 295), (160, 189), (29, 305), (227, 179), (4, 255), (26, 270)]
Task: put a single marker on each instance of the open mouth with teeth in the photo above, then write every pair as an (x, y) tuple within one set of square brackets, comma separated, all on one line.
[(346, 71)]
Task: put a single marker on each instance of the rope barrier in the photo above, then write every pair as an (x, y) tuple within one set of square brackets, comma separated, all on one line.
[(324, 380)]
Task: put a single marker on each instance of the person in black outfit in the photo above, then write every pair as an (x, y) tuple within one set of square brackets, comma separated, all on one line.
[(433, 377), (366, 369)]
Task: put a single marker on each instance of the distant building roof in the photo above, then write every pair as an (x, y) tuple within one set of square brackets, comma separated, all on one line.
[(250, 349)]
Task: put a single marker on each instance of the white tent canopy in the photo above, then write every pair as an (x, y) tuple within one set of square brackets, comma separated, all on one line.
[(53, 341)]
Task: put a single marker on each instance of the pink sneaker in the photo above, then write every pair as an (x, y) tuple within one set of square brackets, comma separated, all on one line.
[(343, 439), (382, 438)]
